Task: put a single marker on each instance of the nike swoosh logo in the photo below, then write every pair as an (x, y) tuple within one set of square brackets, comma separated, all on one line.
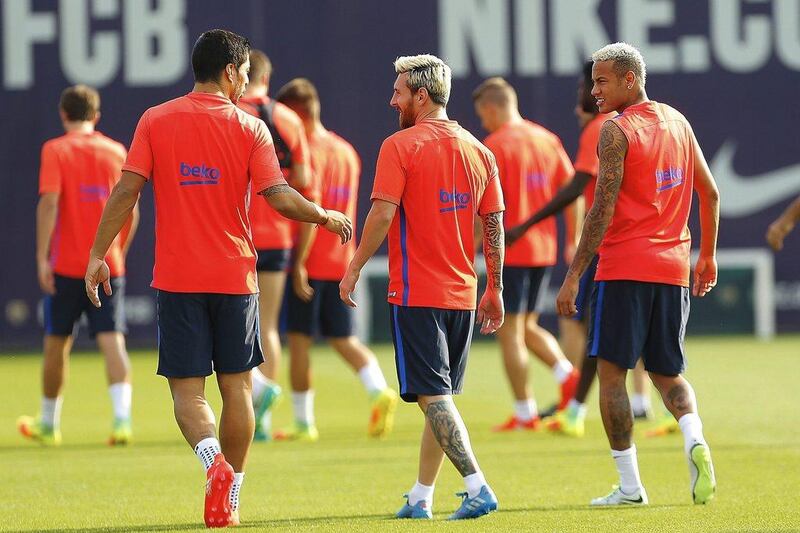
[(742, 197)]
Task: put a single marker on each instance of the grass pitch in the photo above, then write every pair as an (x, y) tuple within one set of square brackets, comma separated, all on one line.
[(747, 392)]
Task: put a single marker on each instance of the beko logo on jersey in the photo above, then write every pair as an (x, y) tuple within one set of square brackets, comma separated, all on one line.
[(206, 175), (454, 200), (668, 178)]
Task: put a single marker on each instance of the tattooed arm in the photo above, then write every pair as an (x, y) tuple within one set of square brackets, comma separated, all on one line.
[(490, 311), (612, 148), (291, 204)]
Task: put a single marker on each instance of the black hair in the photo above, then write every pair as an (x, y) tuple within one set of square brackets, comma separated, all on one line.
[(214, 50), (587, 100)]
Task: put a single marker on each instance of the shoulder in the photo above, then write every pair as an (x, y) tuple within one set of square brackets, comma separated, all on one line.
[(54, 144), (343, 145), (285, 116), (112, 145)]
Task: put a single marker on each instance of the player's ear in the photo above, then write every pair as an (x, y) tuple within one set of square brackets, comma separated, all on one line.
[(229, 69), (96, 117)]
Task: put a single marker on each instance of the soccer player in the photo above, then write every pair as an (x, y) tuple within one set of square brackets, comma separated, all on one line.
[(432, 179), (783, 225), (202, 153), (78, 170), (313, 304), (650, 162), (532, 165), (272, 232)]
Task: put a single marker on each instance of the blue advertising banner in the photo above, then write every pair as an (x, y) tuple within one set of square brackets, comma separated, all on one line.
[(731, 66)]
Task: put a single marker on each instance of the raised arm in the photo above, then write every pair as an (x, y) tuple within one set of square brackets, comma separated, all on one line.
[(705, 271), (612, 148), (291, 204), (491, 312), (376, 227), (783, 225), (46, 215)]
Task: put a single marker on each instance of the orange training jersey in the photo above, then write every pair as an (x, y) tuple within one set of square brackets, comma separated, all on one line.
[(587, 161), (533, 166), (440, 176), (271, 230), (82, 167), (336, 164), (203, 153), (648, 239)]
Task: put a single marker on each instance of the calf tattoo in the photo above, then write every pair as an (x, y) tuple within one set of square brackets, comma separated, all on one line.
[(451, 435), (680, 399), (494, 247), (617, 418)]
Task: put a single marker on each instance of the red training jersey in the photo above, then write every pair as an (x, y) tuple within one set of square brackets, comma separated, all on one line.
[(587, 161), (533, 166), (440, 176), (648, 239), (271, 230), (82, 167), (202, 153), (336, 165)]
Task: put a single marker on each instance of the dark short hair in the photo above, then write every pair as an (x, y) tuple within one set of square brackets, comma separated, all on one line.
[(259, 64), (214, 50), (300, 94), (80, 102), (588, 102)]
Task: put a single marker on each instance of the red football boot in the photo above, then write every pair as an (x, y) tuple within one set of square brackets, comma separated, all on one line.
[(514, 424), (219, 480), (568, 389)]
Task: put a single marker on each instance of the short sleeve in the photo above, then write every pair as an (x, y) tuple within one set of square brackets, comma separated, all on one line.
[(586, 160), (390, 176), (49, 171), (140, 156), (263, 165), (564, 169), (492, 200)]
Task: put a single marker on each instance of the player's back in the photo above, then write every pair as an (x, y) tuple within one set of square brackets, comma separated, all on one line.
[(648, 238), (337, 168), (82, 167), (444, 172)]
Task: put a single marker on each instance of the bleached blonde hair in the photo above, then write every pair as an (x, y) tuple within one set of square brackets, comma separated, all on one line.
[(626, 58), (426, 71)]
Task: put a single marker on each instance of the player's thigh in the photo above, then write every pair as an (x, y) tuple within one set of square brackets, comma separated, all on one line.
[(336, 319), (516, 289), (185, 340), (621, 313), (236, 332), (538, 281), (110, 316), (301, 316), (271, 296), (421, 352), (460, 327), (63, 309), (664, 351)]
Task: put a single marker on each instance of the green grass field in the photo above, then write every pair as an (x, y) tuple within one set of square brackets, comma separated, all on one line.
[(748, 399)]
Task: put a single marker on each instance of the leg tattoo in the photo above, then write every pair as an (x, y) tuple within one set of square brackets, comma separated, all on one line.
[(680, 399), (617, 417), (451, 435)]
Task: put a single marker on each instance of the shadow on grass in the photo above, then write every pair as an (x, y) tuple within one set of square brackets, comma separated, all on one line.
[(299, 521)]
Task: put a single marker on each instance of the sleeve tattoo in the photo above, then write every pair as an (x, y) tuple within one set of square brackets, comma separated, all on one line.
[(494, 247), (275, 189), (612, 148)]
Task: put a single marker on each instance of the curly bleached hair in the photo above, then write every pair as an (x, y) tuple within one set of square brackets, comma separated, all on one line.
[(626, 58), (426, 71)]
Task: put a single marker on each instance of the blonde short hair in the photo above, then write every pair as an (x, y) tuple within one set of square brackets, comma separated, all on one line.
[(426, 71), (625, 57)]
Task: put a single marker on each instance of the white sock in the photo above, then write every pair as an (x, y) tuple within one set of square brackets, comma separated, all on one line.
[(628, 468), (692, 429), (578, 408), (51, 411), (238, 479), (474, 482), (421, 492), (640, 402), (525, 410), (206, 450), (303, 403), (121, 399), (260, 384), (562, 370), (372, 377)]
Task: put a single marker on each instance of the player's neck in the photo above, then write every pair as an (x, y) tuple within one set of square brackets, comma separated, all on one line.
[(313, 127), (508, 116), (432, 113), (80, 126), (256, 91), (209, 87), (638, 99)]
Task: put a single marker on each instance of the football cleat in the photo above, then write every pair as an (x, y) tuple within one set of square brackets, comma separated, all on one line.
[(33, 429), (421, 510), (382, 410), (567, 422), (219, 480), (617, 497), (514, 424), (665, 426), (302, 432), (568, 388), (484, 503), (701, 473), (268, 400), (122, 433)]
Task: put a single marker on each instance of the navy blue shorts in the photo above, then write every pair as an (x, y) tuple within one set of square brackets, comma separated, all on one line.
[(273, 260), (632, 319), (584, 298), (326, 314), (201, 333), (431, 348), (522, 288), (63, 310)]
